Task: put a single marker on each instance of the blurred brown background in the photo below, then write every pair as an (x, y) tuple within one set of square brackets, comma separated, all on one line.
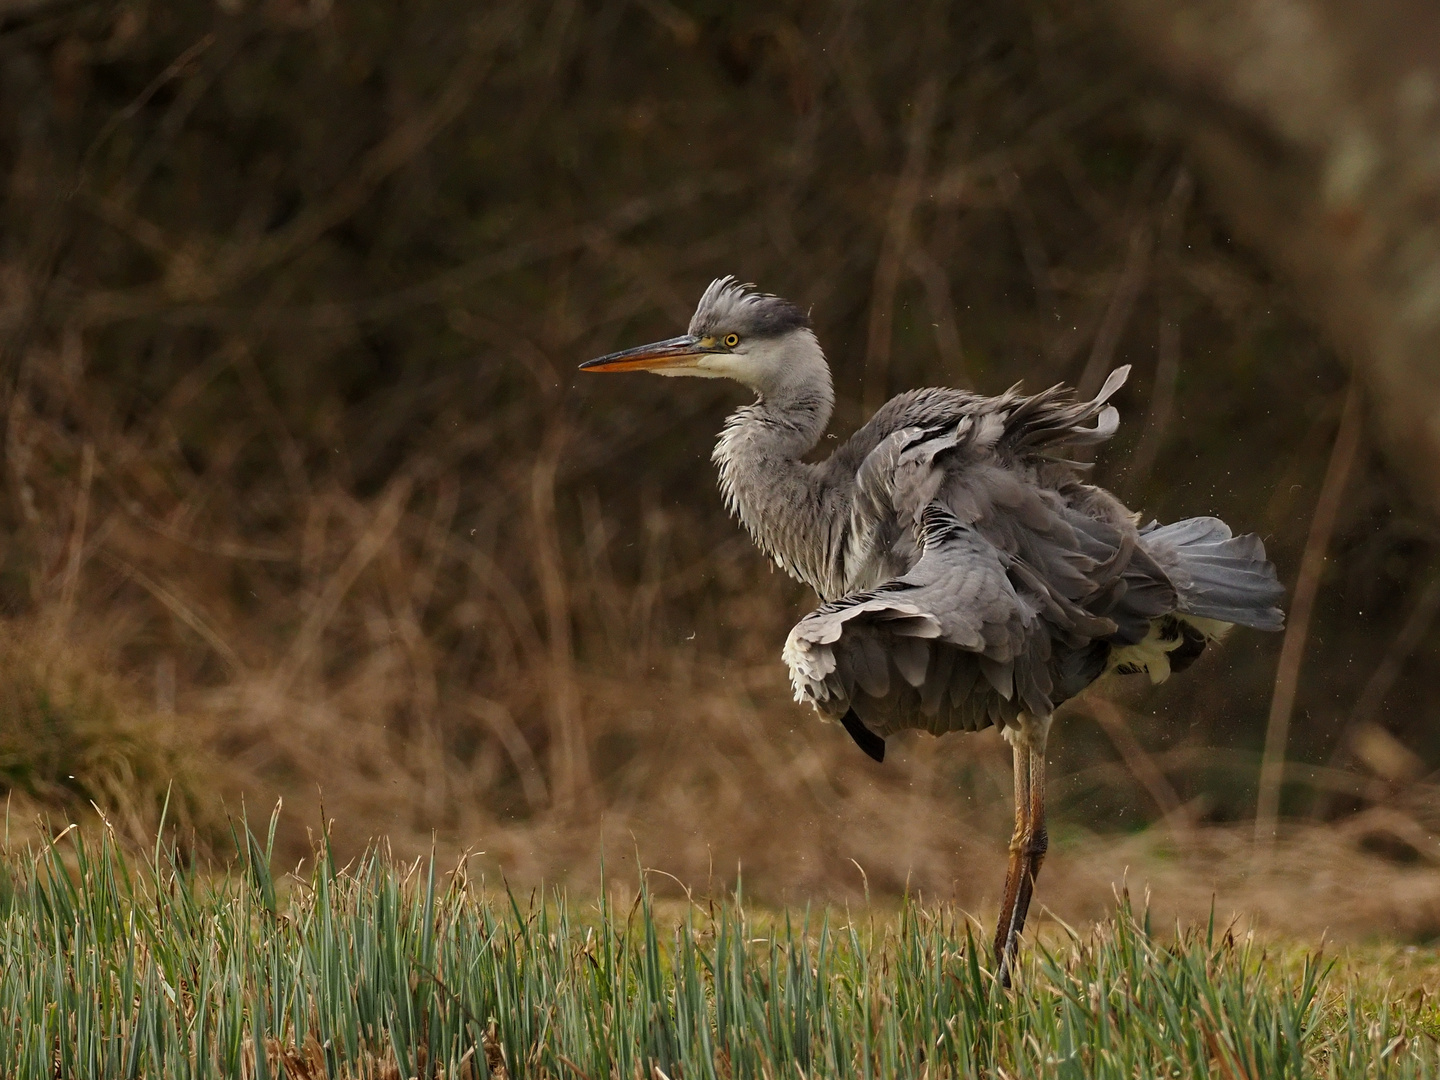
[(303, 496)]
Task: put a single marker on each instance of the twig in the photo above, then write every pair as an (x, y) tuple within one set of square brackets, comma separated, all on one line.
[(172, 120), (287, 449), (1196, 760), (1117, 314), (570, 779), (1367, 705), (1307, 585), (1138, 760), (75, 559), (182, 610), (1027, 228), (175, 69), (1167, 363), (394, 151), (1384, 677), (317, 619), (957, 184), (941, 301), (850, 71), (438, 289), (894, 245), (498, 719), (244, 260)]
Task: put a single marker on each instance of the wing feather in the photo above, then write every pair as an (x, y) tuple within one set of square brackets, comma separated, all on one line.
[(912, 659), (954, 623), (977, 577)]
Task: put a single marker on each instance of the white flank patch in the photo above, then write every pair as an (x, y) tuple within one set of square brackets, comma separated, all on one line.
[(1152, 655)]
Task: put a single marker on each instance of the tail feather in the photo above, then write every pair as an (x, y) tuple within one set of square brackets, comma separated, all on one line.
[(1217, 575)]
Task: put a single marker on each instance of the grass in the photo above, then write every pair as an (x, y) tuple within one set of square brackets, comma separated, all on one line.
[(144, 966), (75, 738)]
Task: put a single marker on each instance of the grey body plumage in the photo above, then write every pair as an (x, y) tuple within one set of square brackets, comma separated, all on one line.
[(968, 573)]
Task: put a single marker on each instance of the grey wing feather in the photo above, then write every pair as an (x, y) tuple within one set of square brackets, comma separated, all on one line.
[(1052, 417), (878, 546), (934, 444), (950, 645), (980, 578), (960, 569)]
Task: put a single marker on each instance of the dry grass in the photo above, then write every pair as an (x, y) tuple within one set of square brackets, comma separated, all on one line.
[(291, 443), (77, 742)]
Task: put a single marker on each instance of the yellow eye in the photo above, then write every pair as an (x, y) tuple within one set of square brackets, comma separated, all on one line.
[(731, 340)]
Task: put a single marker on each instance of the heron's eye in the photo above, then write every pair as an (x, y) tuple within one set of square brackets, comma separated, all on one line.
[(731, 340)]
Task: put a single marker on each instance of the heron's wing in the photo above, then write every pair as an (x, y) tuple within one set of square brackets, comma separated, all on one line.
[(1052, 418), (982, 577), (951, 645), (985, 578), (1071, 547), (976, 455)]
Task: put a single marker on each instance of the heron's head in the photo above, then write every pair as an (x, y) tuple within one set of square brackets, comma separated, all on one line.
[(736, 333)]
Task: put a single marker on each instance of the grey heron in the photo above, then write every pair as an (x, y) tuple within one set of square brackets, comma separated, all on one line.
[(968, 576)]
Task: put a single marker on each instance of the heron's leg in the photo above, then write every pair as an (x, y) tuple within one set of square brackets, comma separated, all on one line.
[(1029, 842), (1038, 840), (1004, 934)]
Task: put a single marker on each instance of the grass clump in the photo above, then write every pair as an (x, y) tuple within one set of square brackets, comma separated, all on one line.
[(74, 739), (118, 966)]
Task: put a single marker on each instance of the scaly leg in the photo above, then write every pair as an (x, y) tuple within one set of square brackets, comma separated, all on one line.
[(1029, 842), (1015, 871)]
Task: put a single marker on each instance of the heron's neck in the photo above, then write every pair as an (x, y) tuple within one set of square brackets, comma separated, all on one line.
[(780, 499)]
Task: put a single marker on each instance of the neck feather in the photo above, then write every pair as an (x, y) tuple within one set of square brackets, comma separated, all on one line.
[(782, 501)]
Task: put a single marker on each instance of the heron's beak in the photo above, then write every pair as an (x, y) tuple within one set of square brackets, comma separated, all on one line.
[(676, 352)]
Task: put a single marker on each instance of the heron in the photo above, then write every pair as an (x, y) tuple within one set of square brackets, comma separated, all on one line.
[(968, 574)]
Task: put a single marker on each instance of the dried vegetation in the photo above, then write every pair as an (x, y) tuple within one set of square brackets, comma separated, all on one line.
[(291, 294)]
